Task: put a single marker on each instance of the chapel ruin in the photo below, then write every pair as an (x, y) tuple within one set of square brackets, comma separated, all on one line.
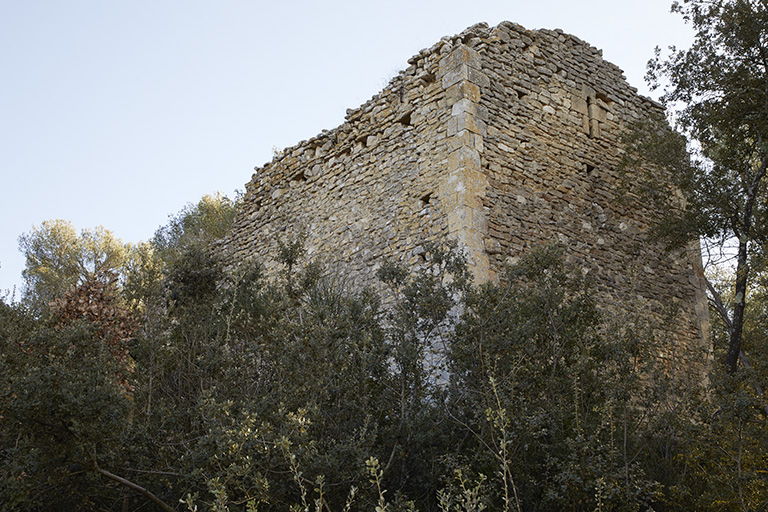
[(502, 138)]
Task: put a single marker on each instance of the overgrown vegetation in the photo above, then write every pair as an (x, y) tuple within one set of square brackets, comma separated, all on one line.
[(178, 384)]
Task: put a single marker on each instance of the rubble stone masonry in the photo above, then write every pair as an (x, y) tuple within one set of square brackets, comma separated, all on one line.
[(502, 138)]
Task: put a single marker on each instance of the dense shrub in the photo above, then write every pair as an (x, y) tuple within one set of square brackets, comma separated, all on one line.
[(222, 389)]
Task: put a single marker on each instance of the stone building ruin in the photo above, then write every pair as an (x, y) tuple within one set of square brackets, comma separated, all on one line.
[(502, 138)]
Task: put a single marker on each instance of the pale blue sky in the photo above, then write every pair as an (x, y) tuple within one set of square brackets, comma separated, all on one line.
[(118, 113)]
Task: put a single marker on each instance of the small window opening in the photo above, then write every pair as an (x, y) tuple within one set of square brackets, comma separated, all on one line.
[(590, 169), (405, 120), (425, 199), (602, 97), (591, 132), (299, 176), (429, 78), (363, 139), (421, 254)]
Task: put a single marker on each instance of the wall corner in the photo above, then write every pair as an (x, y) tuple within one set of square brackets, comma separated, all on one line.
[(464, 185)]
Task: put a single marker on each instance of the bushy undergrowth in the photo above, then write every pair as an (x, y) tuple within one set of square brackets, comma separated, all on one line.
[(234, 391)]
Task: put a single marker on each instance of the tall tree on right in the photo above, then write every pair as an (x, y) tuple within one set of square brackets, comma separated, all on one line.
[(717, 95)]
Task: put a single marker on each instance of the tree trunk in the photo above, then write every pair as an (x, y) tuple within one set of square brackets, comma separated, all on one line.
[(737, 323)]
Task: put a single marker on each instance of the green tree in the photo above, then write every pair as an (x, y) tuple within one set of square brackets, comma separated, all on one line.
[(58, 258), (237, 391), (188, 234), (718, 92), (424, 306), (110, 369), (66, 403), (199, 225), (725, 452)]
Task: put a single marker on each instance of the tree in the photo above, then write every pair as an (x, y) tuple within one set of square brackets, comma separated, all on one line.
[(95, 301), (718, 92), (87, 391), (199, 225), (551, 395), (64, 402), (59, 259)]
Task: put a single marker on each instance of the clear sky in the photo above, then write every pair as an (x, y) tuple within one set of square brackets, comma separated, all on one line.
[(118, 113)]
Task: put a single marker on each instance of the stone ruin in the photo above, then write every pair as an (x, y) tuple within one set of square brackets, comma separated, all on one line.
[(504, 139)]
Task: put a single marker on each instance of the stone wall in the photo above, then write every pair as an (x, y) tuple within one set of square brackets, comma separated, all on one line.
[(361, 191), (502, 138)]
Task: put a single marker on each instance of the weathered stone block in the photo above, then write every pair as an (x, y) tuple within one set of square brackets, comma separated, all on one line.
[(464, 158), (459, 56), (461, 90), (466, 139), (463, 106), (596, 112), (455, 75), (466, 122), (477, 77)]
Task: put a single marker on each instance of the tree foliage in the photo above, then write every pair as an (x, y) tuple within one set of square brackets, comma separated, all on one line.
[(718, 90), (252, 393), (58, 258), (63, 412), (717, 95), (196, 225)]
